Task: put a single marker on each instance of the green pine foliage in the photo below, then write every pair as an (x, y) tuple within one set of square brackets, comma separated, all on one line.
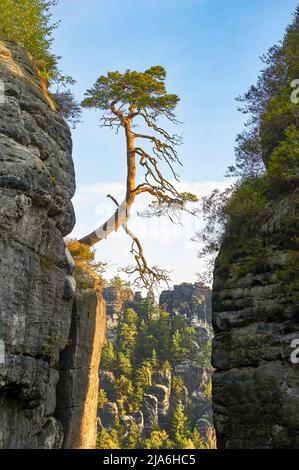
[(108, 356), (29, 24), (150, 341), (117, 281), (158, 440), (108, 440), (273, 124), (268, 104), (144, 90)]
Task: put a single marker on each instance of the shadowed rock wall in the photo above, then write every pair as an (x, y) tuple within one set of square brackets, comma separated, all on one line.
[(36, 287), (255, 319)]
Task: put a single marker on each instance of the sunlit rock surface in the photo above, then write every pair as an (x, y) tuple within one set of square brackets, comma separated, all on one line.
[(78, 387)]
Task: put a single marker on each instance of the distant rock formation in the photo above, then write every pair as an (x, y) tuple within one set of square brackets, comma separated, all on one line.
[(150, 413), (117, 299), (192, 301)]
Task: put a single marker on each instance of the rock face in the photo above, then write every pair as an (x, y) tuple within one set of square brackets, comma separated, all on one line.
[(150, 413), (49, 343), (136, 420), (109, 415), (77, 392), (162, 393), (192, 301), (117, 299), (256, 318), (36, 287)]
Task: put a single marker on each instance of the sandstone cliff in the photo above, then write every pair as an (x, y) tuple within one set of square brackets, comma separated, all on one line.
[(36, 289), (78, 387), (256, 306), (192, 301), (38, 315)]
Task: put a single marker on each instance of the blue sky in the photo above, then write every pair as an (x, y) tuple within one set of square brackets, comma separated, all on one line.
[(210, 49)]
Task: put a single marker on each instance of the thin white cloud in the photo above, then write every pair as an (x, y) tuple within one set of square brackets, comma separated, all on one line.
[(165, 244)]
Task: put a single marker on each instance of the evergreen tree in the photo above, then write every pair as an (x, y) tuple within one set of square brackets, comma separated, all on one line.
[(123, 387), (178, 422), (154, 359), (124, 366), (177, 388), (117, 281), (108, 356), (149, 310), (177, 349), (180, 433), (108, 440), (102, 398), (189, 343), (161, 330), (158, 440), (145, 343), (197, 440), (268, 104), (144, 375), (130, 439), (125, 100), (127, 335)]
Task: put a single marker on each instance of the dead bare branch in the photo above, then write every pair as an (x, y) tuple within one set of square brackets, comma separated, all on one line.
[(148, 277)]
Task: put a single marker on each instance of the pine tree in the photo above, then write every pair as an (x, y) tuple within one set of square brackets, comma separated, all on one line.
[(145, 343), (178, 422), (268, 104), (144, 375), (125, 100), (154, 359), (127, 337), (108, 356), (161, 330), (130, 438), (124, 366), (108, 440), (158, 440), (180, 433), (177, 347), (197, 440), (124, 389)]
